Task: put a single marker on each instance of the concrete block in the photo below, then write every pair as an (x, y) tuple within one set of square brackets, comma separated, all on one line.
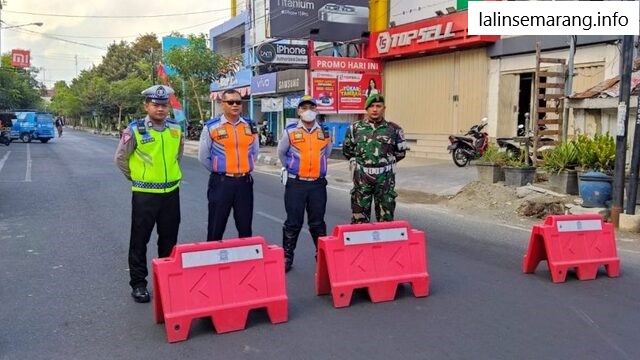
[(629, 222)]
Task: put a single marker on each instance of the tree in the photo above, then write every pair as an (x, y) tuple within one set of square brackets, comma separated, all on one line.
[(199, 66), (18, 87), (118, 63), (65, 102), (125, 95)]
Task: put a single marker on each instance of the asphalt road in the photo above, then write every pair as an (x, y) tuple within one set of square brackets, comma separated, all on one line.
[(64, 294)]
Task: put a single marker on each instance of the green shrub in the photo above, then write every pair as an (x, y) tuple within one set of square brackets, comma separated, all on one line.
[(562, 157), (493, 155)]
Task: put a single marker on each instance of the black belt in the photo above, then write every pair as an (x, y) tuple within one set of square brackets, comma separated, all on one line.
[(233, 175)]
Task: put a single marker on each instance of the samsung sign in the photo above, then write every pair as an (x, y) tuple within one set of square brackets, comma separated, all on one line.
[(271, 53)]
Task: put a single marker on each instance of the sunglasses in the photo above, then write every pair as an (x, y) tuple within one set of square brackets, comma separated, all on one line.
[(233, 102)]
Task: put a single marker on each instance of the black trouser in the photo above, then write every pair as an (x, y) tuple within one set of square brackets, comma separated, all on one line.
[(226, 193), (310, 195), (149, 210)]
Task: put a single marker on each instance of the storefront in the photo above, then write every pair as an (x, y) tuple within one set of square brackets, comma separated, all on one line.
[(435, 79), (240, 81), (275, 98), (512, 69)]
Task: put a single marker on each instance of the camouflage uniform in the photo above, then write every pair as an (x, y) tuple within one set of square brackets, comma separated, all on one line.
[(375, 150)]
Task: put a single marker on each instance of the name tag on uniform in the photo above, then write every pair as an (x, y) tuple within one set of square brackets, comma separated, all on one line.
[(247, 130), (298, 137), (320, 135), (147, 139)]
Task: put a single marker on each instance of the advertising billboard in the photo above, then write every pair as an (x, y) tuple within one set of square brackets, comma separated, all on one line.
[(20, 58), (408, 11), (344, 93), (335, 20)]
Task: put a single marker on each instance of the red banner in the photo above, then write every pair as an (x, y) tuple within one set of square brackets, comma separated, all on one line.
[(20, 58), (344, 93), (330, 63), (353, 90), (325, 90)]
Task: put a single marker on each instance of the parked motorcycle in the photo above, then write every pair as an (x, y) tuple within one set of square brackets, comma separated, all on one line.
[(194, 131), (470, 146), (5, 130), (516, 146), (267, 138)]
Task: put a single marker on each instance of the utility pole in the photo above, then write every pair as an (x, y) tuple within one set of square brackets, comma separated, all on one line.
[(76, 57), (621, 138), (568, 87), (630, 209), (1, 3), (153, 74)]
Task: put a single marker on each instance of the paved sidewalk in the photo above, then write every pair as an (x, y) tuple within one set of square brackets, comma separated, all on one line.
[(438, 177)]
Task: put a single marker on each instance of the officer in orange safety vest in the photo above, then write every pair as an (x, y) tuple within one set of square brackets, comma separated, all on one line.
[(228, 149), (303, 151)]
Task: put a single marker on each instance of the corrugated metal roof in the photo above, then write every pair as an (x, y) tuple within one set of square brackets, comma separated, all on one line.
[(611, 87)]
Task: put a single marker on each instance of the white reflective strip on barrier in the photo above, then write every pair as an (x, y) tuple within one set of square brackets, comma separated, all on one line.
[(579, 225), (375, 236), (221, 256)]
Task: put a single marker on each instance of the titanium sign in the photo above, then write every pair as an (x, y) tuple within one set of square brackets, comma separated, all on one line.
[(336, 20), (270, 53)]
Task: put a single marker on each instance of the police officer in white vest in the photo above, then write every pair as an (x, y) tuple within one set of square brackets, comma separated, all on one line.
[(149, 156)]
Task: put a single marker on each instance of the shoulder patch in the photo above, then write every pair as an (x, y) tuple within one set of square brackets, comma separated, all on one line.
[(212, 121)]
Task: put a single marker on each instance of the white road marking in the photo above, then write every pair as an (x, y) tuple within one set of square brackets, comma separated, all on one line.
[(278, 220), (4, 159), (27, 175)]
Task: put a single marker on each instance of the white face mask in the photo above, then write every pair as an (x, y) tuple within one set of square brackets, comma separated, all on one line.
[(308, 115)]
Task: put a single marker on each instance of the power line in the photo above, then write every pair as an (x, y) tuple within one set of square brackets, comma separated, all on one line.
[(115, 16)]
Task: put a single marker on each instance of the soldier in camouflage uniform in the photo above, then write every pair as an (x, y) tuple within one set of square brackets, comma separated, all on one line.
[(373, 146)]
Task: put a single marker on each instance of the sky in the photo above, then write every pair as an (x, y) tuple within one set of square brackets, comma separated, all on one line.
[(56, 58)]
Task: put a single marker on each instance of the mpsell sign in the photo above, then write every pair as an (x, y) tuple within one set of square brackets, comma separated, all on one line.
[(430, 35)]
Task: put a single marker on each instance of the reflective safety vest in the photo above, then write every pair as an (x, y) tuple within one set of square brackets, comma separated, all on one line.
[(154, 164), (231, 146), (306, 155)]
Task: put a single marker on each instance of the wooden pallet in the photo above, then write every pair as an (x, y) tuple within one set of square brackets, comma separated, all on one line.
[(548, 106)]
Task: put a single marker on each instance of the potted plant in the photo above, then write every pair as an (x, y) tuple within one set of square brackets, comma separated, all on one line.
[(595, 185), (560, 162), (489, 165), (518, 171)]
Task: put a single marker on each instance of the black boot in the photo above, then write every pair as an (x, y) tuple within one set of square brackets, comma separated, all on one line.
[(289, 241), (315, 235)]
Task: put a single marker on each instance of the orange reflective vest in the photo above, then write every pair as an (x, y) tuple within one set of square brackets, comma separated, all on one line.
[(307, 152)]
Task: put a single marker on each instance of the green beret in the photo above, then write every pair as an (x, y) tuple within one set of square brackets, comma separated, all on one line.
[(373, 98)]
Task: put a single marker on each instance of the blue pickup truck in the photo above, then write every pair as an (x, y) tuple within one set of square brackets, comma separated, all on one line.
[(33, 125)]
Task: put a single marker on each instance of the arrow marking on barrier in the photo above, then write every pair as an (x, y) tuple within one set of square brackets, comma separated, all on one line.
[(248, 278), (200, 286), (596, 244), (396, 257), (357, 262)]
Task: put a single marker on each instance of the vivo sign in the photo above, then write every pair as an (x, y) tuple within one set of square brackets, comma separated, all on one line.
[(387, 41)]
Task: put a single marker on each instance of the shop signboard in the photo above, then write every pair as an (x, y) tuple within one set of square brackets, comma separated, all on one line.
[(427, 36), (335, 20), (291, 80), (239, 79), (264, 84), (274, 53)]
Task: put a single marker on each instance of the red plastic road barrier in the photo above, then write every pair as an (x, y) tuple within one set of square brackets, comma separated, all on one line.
[(377, 256), (583, 242), (220, 279)]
